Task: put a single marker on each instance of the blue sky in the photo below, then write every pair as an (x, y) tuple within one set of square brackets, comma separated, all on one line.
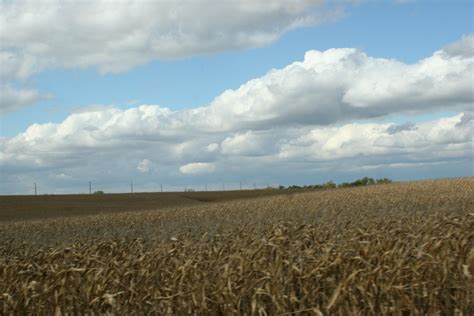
[(71, 82)]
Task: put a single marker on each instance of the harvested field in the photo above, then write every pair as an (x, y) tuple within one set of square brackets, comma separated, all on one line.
[(404, 248), (26, 207)]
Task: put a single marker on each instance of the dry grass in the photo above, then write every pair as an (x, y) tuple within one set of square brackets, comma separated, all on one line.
[(389, 249)]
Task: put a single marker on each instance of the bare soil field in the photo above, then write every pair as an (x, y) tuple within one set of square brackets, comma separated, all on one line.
[(23, 207), (394, 249)]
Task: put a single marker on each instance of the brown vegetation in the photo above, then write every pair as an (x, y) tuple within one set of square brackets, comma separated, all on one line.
[(385, 249)]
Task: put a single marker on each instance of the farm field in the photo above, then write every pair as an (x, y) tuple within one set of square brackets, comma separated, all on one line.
[(401, 248), (22, 207)]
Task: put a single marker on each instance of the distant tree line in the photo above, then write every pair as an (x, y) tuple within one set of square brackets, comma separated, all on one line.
[(331, 185)]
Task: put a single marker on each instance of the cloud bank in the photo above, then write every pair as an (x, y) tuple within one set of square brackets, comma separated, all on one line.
[(116, 36), (305, 116)]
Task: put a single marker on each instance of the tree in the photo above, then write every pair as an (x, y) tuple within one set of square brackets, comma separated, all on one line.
[(329, 185), (383, 181)]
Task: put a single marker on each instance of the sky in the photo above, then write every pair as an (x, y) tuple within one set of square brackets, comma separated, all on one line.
[(189, 94)]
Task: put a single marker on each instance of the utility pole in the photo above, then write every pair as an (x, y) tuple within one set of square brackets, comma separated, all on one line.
[(131, 186), (254, 186), (240, 185), (185, 188), (161, 188), (35, 188), (90, 187)]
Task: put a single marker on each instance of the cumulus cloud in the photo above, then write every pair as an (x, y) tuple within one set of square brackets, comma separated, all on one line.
[(249, 144), (12, 99), (364, 146), (197, 168), (344, 84), (115, 36), (145, 166), (463, 47), (373, 142), (337, 85), (304, 149), (212, 147), (300, 117)]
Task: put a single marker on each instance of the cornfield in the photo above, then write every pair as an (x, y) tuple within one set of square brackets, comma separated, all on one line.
[(395, 249)]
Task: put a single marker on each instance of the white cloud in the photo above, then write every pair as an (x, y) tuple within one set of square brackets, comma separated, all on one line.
[(312, 151), (12, 99), (463, 47), (372, 143), (334, 86), (145, 166), (300, 117), (113, 37), (197, 168), (212, 147), (16, 65), (344, 84), (116, 36), (248, 144)]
